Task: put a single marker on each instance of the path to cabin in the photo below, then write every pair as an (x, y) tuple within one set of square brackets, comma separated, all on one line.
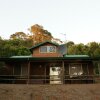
[(50, 92)]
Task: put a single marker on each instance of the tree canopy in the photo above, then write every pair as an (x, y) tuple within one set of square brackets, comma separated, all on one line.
[(39, 34), (19, 43), (19, 35)]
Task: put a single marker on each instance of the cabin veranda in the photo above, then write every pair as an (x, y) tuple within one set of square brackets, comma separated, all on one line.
[(49, 64)]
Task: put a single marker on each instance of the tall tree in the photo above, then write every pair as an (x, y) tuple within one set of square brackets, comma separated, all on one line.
[(39, 34), (94, 49), (78, 49), (70, 43), (0, 38), (19, 35)]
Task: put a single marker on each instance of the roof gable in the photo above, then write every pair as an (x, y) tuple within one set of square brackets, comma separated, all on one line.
[(40, 44)]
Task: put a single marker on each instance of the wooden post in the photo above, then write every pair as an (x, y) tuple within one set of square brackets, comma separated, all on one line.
[(63, 75), (45, 75), (28, 79)]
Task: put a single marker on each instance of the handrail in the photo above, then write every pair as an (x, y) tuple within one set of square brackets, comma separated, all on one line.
[(68, 76), (50, 78)]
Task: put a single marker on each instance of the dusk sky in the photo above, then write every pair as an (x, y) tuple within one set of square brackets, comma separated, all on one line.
[(78, 19)]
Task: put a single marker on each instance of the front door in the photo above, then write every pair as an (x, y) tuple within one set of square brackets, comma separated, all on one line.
[(55, 75)]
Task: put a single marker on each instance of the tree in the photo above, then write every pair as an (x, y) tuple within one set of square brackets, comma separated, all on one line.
[(19, 35), (0, 38), (39, 34), (94, 49), (80, 49), (70, 43), (77, 49), (71, 50), (14, 47)]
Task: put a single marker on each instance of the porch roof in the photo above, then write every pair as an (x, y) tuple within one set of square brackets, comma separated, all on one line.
[(30, 58), (76, 56)]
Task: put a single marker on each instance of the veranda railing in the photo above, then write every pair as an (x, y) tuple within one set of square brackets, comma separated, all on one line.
[(47, 79)]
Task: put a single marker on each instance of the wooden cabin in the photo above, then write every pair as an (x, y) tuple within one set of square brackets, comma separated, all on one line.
[(49, 65)]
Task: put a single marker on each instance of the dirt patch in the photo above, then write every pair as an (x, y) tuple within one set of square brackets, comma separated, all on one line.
[(50, 92)]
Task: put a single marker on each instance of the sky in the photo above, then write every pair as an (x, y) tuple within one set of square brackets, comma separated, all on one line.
[(70, 20)]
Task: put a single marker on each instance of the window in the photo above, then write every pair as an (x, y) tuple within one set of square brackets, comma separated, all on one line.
[(75, 70), (51, 49), (47, 49), (43, 49)]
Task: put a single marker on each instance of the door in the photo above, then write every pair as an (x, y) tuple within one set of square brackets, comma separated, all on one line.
[(55, 75)]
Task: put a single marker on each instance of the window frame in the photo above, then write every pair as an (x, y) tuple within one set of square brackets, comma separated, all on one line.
[(42, 51), (47, 49), (70, 66)]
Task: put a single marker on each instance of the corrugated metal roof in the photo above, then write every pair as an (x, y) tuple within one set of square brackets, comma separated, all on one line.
[(21, 56), (65, 57), (30, 58), (76, 56)]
